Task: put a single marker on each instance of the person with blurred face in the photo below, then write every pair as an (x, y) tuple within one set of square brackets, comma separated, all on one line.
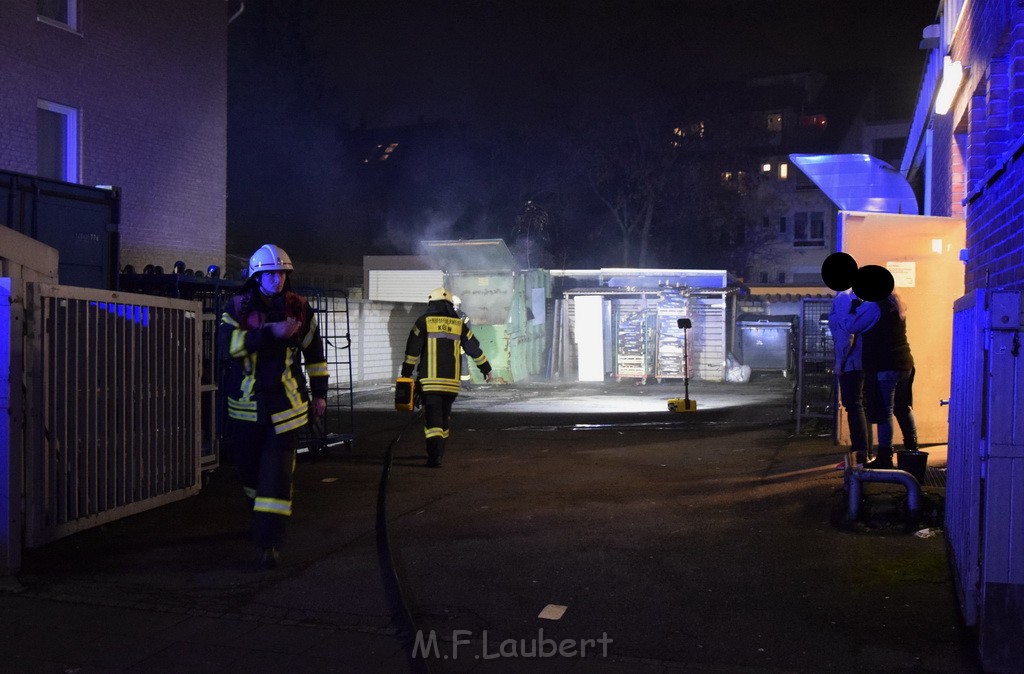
[(889, 372), (839, 272)]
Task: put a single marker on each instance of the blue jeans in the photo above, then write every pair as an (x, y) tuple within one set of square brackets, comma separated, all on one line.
[(890, 393), (851, 395)]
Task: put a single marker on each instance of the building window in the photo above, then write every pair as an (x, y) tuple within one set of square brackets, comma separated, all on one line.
[(762, 277), (774, 122), (695, 130), (766, 168), (814, 121), (781, 277), (783, 171), (765, 223), (809, 229), (782, 225), (60, 12), (57, 142)]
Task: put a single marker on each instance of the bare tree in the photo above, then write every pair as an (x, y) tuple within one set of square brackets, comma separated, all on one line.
[(629, 163)]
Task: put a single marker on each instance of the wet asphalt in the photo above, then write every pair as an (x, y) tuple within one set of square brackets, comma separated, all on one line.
[(572, 527)]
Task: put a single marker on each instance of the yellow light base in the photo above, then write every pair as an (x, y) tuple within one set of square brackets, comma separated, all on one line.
[(682, 405)]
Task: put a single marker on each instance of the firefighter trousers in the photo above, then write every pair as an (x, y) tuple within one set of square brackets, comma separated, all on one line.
[(266, 464), (437, 414)]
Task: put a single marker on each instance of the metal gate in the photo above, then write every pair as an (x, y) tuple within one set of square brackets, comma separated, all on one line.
[(337, 427), (113, 404), (984, 490), (963, 472)]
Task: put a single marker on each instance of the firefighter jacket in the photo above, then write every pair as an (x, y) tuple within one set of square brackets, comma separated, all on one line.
[(433, 346), (264, 381)]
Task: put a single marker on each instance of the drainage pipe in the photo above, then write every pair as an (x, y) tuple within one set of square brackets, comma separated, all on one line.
[(859, 475)]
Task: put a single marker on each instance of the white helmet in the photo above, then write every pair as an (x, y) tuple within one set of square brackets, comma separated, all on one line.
[(269, 258), (439, 294), (456, 301)]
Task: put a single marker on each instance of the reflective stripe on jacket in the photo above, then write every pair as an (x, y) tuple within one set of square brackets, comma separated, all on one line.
[(264, 380), (433, 346)]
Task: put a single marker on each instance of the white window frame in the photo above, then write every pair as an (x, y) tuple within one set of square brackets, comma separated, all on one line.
[(72, 18), (808, 230), (72, 150)]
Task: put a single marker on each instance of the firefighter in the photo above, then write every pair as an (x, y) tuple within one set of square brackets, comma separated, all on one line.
[(433, 349), (463, 359), (266, 332)]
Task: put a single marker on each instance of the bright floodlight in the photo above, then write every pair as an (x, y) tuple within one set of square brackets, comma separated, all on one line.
[(952, 76)]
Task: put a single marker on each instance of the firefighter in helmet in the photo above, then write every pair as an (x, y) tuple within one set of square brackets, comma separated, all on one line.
[(267, 331), (463, 359), (434, 345)]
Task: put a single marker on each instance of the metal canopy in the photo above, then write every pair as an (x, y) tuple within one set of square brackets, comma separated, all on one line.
[(470, 255), (859, 182)]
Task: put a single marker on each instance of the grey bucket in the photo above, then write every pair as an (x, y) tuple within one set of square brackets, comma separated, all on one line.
[(915, 463)]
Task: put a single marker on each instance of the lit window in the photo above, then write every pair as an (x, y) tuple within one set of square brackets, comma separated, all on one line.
[(819, 121), (695, 130), (62, 12), (775, 122), (388, 150), (766, 168), (726, 176), (57, 142), (783, 171)]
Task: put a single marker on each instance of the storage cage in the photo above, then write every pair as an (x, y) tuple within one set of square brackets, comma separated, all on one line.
[(337, 427), (636, 336), (816, 394), (638, 327)]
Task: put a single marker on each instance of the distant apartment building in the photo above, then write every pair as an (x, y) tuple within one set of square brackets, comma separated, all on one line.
[(128, 94), (791, 223)]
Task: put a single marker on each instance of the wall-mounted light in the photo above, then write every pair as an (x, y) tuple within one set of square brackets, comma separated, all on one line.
[(952, 78)]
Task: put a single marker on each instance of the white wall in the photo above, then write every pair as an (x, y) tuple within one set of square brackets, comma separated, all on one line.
[(378, 332)]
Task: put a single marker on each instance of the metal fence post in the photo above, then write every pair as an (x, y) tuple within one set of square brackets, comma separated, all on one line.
[(12, 422)]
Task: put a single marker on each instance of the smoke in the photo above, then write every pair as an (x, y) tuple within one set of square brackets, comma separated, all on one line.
[(403, 234)]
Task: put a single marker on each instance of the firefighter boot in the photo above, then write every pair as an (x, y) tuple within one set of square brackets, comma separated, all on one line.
[(883, 459), (270, 558), (435, 452)]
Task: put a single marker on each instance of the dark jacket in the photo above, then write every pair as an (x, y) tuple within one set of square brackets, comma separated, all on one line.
[(264, 381), (885, 342), (433, 347)]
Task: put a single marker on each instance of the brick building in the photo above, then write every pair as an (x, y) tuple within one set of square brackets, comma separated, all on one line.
[(966, 152), (967, 139), (130, 94)]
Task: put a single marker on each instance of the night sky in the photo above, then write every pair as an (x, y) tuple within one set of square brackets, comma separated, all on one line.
[(300, 72), (481, 59)]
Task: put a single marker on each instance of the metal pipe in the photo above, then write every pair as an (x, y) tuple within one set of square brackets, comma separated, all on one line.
[(859, 475)]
